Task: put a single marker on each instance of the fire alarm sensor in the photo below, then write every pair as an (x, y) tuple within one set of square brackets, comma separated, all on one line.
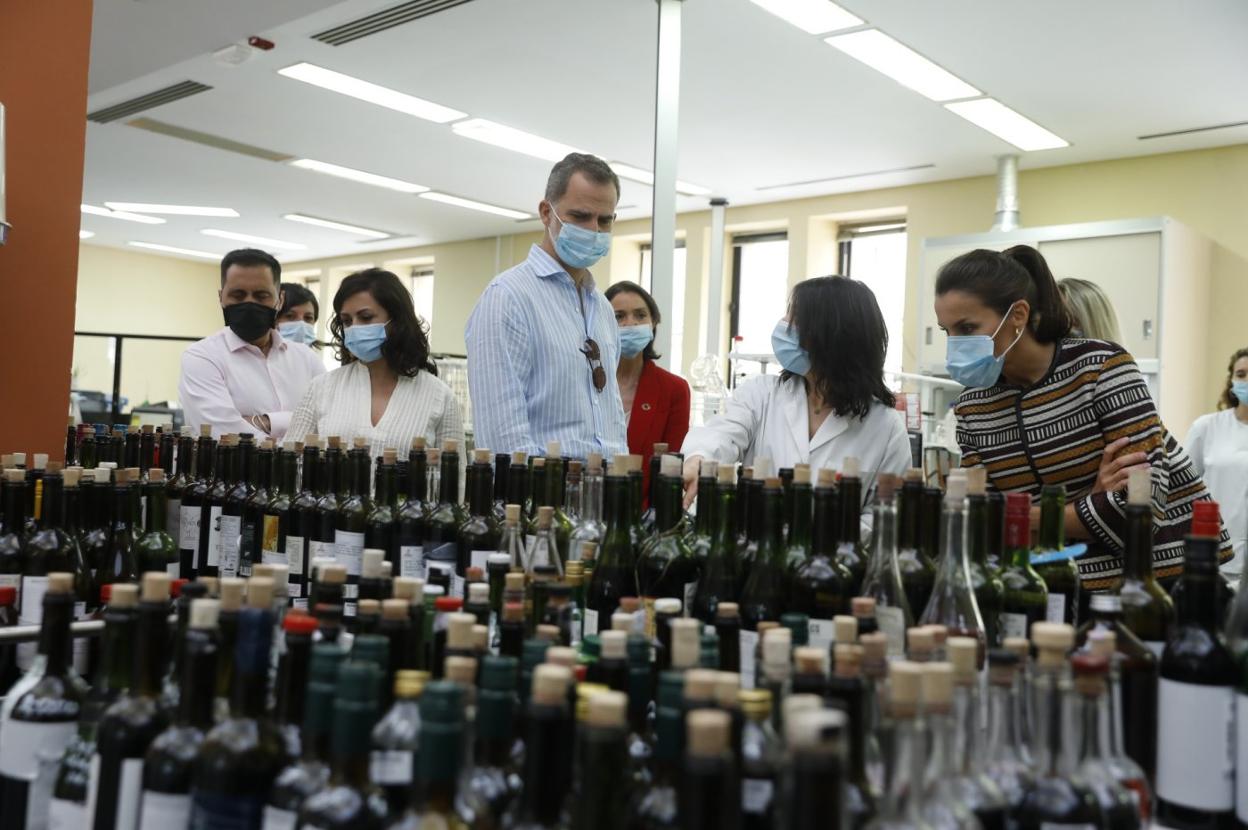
[(260, 43)]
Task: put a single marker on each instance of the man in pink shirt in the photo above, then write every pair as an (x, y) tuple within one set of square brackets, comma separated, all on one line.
[(246, 377)]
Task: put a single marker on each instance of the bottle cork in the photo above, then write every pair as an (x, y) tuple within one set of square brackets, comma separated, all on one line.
[(810, 660), (370, 567), (700, 684), (1052, 641), (964, 655), (333, 574), (408, 684), (686, 642), (635, 462), (102, 475), (862, 607), (408, 588), (259, 593), (845, 628), (334, 442), (874, 647), (1102, 642), (801, 474), (462, 670), (937, 688), (433, 456), (708, 468), (394, 609), (123, 595), (594, 462), (763, 468), (480, 638), (359, 442), (134, 473), (920, 643), (794, 705), (481, 456), (614, 645), (939, 635), (977, 481), (15, 476), (1090, 671), (903, 688), (232, 592), (262, 569), (561, 656), (826, 478), (60, 582), (266, 444), (670, 466), (511, 513), (459, 631), (513, 612), (667, 605), (544, 516), (607, 709), (549, 633), (211, 583), (589, 552), (622, 621), (205, 430), (1020, 646), (771, 483), (155, 586), (850, 467), (553, 449), (763, 626), (514, 581), (726, 474), (1140, 487), (727, 685), (539, 462), (204, 613), (708, 733), (955, 487), (72, 475), (727, 611), (475, 573), (478, 592), (550, 684), (419, 443), (51, 466), (885, 487), (849, 660), (368, 608)]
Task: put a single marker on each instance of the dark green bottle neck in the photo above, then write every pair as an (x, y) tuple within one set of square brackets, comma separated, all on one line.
[(977, 529), (121, 507), (708, 507), (636, 484), (58, 610), (72, 519), (482, 495), (264, 469), (113, 675), (726, 520), (53, 502), (387, 479), (518, 484), (291, 693), (157, 506), (288, 468), (311, 482), (360, 468), (667, 507), (851, 506), (206, 459), (331, 473), (554, 483), (616, 534), (195, 706), (1198, 605), (1052, 521), (799, 527), (909, 502), (450, 479), (186, 458), (1137, 553), (249, 695), (771, 542), (544, 791), (14, 507), (417, 477), (754, 511), (150, 657)]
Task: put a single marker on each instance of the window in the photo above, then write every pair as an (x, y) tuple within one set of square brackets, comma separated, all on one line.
[(420, 283), (760, 290), (674, 317), (876, 255)]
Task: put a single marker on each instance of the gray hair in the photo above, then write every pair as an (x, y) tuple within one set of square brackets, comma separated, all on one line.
[(593, 168)]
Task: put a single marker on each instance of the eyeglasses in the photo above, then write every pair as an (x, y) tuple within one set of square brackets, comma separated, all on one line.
[(594, 356)]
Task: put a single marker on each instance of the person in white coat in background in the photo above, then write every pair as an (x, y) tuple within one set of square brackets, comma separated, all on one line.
[(829, 404)]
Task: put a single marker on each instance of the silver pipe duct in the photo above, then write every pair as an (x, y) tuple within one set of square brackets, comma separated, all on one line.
[(1007, 216)]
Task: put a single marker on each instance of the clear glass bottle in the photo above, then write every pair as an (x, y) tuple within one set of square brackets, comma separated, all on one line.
[(944, 805), (761, 757), (967, 782), (903, 803), (718, 582), (1113, 721), (953, 602), (1119, 805), (667, 567), (590, 526), (884, 583), (1003, 763)]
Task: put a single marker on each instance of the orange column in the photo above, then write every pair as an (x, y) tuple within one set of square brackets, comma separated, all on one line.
[(45, 47)]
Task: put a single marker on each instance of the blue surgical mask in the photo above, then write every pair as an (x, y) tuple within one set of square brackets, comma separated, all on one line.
[(580, 247), (970, 359), (634, 339), (1239, 388), (787, 349), (365, 341), (298, 331)]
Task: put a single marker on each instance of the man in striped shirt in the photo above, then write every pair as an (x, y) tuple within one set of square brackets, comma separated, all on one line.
[(542, 341)]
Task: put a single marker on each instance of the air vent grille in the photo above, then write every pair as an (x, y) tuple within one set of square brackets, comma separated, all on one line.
[(207, 139), (847, 176), (176, 92), (385, 19), (1191, 130)]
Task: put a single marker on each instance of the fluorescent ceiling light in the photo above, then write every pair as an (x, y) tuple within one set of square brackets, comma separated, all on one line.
[(85, 234), (335, 226), (1005, 123), (888, 226), (813, 16), (471, 205), (637, 174), (258, 240), (359, 176), (169, 249), (120, 214), (510, 138), (372, 93), (904, 65), (173, 210)]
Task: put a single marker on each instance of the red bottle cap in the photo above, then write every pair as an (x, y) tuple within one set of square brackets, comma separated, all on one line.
[(8, 595), (298, 622), (1206, 520), (106, 594), (175, 587), (448, 604), (1017, 503)]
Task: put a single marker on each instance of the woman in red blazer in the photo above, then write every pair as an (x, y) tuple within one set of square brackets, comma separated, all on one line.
[(656, 402)]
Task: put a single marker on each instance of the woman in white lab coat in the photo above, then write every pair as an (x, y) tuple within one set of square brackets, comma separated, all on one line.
[(829, 404)]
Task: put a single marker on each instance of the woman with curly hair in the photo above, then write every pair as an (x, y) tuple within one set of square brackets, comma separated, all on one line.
[(1218, 444)]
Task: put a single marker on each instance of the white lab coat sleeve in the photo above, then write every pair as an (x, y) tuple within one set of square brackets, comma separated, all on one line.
[(895, 460), (726, 437), (1195, 443)]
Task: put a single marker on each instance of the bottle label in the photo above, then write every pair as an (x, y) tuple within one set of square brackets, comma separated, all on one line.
[(13, 581), (391, 767), (756, 795), (80, 647), (1195, 752), (320, 550), (299, 602), (214, 537), (748, 642), (173, 519), (591, 621), (33, 589), (647, 608), (31, 750), (114, 795), (1241, 757), (1012, 625), (480, 557), (269, 539), (210, 810), (1055, 612), (275, 819), (231, 533), (892, 621), (188, 528), (165, 810), (822, 634), (294, 556), (67, 815), (350, 547), (411, 561)]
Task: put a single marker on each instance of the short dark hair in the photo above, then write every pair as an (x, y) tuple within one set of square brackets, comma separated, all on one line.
[(406, 349), (839, 324), (633, 288), (999, 279), (294, 294), (252, 256), (592, 167)]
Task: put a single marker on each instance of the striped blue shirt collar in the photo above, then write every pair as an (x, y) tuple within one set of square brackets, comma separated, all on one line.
[(546, 267)]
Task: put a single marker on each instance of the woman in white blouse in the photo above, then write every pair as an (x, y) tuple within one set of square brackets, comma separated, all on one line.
[(387, 389), (829, 404)]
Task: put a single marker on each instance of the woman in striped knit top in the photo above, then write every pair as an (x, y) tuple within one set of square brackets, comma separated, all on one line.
[(1042, 407)]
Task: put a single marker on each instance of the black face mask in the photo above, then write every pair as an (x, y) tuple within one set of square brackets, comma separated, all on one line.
[(249, 321)]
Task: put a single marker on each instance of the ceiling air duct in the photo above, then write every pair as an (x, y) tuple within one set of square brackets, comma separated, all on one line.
[(1007, 218)]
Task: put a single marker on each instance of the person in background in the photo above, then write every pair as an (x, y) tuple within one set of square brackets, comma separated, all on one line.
[(246, 377), (829, 403), (1043, 407), (297, 317), (1092, 314), (387, 389), (542, 341), (656, 402), (1218, 445)]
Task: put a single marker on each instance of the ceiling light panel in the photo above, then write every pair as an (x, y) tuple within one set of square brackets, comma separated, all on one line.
[(335, 226), (169, 249), (119, 214), (255, 240), (510, 138), (814, 16), (904, 65), (85, 234), (372, 93), (637, 174), (1007, 124), (447, 199), (359, 176), (173, 210)]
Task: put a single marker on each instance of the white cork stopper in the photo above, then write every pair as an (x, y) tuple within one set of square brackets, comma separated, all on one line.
[(964, 655), (726, 474), (607, 709), (562, 656), (371, 567), (614, 645), (955, 487), (123, 595), (794, 705), (553, 449), (700, 684), (670, 466), (801, 474), (204, 613), (762, 468), (845, 628), (850, 467), (394, 609), (810, 728), (459, 631), (511, 513), (280, 574), (1140, 487), (259, 592), (550, 683), (977, 481), (231, 590), (478, 592), (155, 586), (461, 670), (408, 588), (686, 646), (937, 687), (667, 605), (622, 621), (41, 461), (708, 731)]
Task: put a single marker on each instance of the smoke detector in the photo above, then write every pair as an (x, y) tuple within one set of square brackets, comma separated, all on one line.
[(239, 53)]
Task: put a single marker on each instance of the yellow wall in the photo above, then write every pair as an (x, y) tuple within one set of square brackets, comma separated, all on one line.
[(132, 293)]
